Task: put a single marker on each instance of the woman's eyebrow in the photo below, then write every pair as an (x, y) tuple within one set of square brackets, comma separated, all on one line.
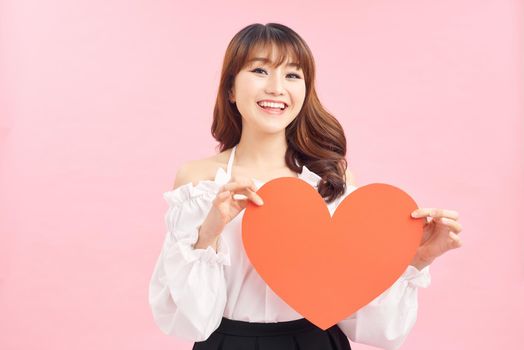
[(266, 60)]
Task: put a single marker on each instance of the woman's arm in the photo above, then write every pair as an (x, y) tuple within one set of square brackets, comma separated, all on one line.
[(187, 291)]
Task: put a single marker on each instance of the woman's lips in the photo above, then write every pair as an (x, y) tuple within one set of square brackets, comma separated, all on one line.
[(274, 111)]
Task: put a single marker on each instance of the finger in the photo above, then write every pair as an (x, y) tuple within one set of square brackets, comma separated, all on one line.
[(454, 226), (243, 189), (435, 213), (246, 188), (457, 242), (240, 184), (244, 194), (255, 198), (239, 196), (222, 196)]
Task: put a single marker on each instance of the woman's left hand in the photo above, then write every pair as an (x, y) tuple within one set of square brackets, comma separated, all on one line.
[(440, 234)]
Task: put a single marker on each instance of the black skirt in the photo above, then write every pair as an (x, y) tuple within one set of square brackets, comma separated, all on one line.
[(290, 335)]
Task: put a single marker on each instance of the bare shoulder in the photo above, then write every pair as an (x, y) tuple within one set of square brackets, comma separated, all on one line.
[(350, 178), (198, 170)]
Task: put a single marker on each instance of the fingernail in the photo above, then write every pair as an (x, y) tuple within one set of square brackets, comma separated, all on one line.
[(414, 214)]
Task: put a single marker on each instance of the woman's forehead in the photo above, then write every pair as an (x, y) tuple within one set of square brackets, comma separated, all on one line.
[(271, 55)]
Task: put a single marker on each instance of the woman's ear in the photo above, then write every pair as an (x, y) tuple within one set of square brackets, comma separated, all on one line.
[(231, 93)]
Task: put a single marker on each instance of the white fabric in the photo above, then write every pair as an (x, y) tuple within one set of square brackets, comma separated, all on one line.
[(192, 289)]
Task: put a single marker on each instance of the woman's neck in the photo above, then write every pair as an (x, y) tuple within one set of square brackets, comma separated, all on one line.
[(259, 154)]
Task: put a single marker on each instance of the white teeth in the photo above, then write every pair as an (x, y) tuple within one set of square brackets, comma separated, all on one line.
[(271, 104)]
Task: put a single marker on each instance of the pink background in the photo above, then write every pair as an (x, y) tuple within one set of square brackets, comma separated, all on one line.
[(102, 101)]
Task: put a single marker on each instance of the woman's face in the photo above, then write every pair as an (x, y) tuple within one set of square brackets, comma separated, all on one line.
[(260, 89)]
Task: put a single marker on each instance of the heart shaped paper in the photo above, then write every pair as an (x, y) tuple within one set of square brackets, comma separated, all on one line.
[(326, 268)]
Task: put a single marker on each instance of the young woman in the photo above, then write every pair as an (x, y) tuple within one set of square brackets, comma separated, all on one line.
[(269, 123)]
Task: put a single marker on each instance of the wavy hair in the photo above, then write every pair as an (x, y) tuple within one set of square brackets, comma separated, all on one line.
[(314, 138)]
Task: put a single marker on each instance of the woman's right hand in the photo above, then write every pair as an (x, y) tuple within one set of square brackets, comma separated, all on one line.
[(225, 208)]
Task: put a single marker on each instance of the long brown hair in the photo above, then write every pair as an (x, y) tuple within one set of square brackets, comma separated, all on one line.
[(315, 138)]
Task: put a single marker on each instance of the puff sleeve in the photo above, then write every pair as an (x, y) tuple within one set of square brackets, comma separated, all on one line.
[(187, 291), (388, 319)]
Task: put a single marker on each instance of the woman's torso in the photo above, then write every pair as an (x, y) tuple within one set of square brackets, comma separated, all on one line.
[(248, 296)]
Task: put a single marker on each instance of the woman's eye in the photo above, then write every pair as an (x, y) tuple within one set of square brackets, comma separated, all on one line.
[(256, 70), (296, 75)]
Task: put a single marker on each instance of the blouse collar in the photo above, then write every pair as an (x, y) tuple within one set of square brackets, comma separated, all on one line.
[(211, 187), (221, 177)]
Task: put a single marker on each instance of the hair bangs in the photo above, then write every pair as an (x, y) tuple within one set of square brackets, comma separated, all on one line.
[(263, 50)]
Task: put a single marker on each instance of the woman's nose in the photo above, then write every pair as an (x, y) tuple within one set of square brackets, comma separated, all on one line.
[(275, 84)]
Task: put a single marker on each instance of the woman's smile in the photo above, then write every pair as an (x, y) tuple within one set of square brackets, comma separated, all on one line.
[(272, 108)]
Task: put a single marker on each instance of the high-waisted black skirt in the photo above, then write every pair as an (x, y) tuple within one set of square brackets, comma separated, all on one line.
[(290, 335)]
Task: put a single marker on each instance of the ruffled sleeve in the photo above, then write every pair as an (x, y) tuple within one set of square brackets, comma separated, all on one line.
[(387, 320), (187, 291)]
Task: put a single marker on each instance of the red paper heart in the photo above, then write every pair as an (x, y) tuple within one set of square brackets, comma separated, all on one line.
[(326, 268)]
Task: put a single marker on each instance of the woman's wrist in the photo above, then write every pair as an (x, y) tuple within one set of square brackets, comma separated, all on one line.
[(421, 260), (205, 240), (419, 264)]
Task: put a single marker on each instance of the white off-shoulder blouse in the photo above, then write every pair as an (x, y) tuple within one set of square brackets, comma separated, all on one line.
[(192, 289)]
